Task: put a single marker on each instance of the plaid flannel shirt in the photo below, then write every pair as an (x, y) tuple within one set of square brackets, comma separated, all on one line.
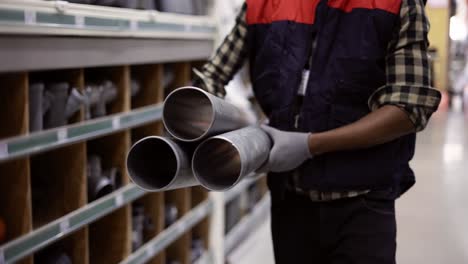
[(407, 71)]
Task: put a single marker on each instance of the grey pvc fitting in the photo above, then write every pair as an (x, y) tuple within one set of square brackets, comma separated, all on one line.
[(107, 94), (36, 112), (74, 102), (171, 213), (135, 88), (55, 116), (98, 184), (177, 6)]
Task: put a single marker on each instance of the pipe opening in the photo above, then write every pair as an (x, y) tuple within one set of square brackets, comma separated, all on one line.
[(217, 164), (152, 164), (188, 114)]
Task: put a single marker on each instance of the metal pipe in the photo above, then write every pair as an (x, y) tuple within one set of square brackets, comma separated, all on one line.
[(191, 114), (221, 162), (160, 164)]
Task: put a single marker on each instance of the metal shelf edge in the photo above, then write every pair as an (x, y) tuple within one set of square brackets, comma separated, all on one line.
[(241, 187), (246, 225), (38, 239), (77, 19), (169, 235), (46, 140)]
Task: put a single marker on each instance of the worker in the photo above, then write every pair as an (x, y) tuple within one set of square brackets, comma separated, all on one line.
[(346, 86)]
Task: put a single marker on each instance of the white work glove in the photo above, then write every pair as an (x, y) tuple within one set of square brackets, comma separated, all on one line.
[(290, 150)]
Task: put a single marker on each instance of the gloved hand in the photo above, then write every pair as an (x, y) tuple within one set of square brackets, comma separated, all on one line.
[(290, 150)]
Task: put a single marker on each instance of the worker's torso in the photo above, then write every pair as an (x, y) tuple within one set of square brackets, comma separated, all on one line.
[(350, 39)]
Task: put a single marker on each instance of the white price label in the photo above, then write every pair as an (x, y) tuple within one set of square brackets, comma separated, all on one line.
[(3, 150), (116, 123), (29, 17), (62, 135), (150, 251), (80, 21), (64, 226), (133, 25), (2, 257), (119, 200)]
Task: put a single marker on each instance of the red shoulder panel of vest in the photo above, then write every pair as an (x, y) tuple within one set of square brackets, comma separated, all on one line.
[(391, 6), (268, 11), (303, 11)]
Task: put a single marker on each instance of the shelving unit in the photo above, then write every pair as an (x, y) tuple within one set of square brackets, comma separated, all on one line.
[(44, 175)]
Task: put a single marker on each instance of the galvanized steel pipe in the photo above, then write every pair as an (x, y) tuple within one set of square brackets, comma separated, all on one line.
[(191, 114), (220, 162), (160, 164)]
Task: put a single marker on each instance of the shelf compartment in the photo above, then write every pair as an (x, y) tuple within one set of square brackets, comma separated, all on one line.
[(59, 188), (120, 78), (180, 250), (202, 229), (51, 232), (247, 225), (153, 204), (110, 237), (149, 78), (73, 77), (171, 234)]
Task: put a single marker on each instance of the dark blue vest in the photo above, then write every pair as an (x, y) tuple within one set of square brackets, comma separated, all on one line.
[(348, 65)]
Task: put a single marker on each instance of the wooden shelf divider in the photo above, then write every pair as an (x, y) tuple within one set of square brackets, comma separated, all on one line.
[(15, 181), (180, 250), (151, 92), (110, 237), (59, 178)]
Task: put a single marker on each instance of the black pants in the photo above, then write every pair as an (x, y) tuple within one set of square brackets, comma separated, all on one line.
[(359, 230)]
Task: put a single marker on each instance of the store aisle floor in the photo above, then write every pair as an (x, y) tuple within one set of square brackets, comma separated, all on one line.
[(433, 216)]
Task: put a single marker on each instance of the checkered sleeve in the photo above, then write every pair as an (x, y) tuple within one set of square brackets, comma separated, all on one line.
[(408, 68), (227, 60)]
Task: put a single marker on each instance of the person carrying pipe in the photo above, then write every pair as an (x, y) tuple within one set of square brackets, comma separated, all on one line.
[(346, 87)]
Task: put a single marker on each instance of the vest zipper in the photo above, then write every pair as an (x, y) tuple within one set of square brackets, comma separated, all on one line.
[(296, 121)]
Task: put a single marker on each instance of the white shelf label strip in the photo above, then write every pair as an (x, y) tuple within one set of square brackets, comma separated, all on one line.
[(64, 226), (133, 25), (150, 252), (116, 123), (62, 135), (30, 17), (119, 200), (79, 21), (3, 150)]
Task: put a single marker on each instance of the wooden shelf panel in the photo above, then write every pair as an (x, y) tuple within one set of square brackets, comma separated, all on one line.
[(171, 234), (180, 250), (15, 191), (149, 78), (110, 237)]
